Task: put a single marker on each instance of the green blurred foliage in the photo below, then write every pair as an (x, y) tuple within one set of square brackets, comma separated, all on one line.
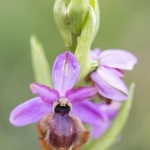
[(125, 24)]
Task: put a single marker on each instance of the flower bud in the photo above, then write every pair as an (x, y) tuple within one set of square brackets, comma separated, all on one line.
[(61, 131), (61, 21), (76, 13), (94, 4)]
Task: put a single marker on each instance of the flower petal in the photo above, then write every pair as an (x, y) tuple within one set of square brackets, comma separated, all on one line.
[(95, 54), (65, 72), (110, 110), (48, 95), (118, 59), (116, 71), (81, 93), (88, 113), (109, 84), (97, 131), (29, 112)]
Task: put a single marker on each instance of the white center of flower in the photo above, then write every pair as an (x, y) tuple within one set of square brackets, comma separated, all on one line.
[(63, 101)]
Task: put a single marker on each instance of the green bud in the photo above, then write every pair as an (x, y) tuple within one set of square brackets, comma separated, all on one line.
[(61, 21), (76, 13), (70, 17), (94, 4), (67, 2)]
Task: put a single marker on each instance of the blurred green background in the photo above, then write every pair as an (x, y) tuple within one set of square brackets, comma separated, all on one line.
[(125, 24)]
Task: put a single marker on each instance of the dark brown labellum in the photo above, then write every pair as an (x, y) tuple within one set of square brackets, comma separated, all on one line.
[(61, 131)]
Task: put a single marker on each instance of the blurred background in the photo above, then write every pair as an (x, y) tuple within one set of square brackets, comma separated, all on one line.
[(125, 24)]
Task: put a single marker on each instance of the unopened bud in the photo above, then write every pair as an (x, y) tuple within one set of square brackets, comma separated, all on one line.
[(61, 21), (76, 12)]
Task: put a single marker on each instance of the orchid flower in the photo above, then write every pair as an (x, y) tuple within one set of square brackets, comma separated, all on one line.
[(59, 101), (107, 77)]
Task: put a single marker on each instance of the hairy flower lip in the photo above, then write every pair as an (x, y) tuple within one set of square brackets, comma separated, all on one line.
[(61, 132)]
